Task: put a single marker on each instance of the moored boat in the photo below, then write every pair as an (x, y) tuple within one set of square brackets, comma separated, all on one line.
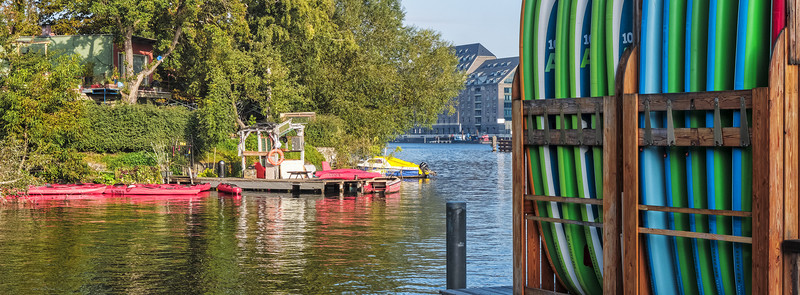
[(67, 189), (383, 185), (229, 188), (391, 166)]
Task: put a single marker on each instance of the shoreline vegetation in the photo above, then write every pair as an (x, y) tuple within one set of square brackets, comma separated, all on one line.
[(367, 76)]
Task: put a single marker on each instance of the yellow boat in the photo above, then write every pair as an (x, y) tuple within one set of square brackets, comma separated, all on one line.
[(391, 166)]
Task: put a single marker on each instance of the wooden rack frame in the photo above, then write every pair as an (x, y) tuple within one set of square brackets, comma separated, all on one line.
[(773, 135)]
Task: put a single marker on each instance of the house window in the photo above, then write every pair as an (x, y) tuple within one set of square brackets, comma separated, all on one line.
[(139, 62)]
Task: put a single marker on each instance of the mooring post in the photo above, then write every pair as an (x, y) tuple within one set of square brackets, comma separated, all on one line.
[(221, 168), (456, 245)]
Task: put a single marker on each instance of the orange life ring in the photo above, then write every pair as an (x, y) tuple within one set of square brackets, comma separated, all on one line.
[(280, 157)]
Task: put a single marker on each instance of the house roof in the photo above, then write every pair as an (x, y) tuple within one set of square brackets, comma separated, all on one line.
[(493, 71), (467, 54)]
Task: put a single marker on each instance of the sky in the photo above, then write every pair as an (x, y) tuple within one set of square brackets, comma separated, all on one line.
[(493, 23)]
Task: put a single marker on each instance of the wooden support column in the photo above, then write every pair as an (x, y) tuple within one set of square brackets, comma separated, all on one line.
[(627, 88), (793, 29), (612, 188), (790, 166), (518, 216), (768, 185)]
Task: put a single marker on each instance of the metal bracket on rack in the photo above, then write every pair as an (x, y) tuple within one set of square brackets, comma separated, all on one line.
[(744, 130), (546, 127), (717, 124), (563, 124), (580, 124), (670, 124), (648, 133), (598, 125)]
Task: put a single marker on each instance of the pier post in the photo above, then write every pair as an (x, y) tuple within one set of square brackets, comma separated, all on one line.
[(456, 245)]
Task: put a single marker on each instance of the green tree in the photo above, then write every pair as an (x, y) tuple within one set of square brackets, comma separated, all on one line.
[(39, 109)]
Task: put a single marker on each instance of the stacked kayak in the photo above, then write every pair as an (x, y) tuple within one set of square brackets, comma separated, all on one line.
[(118, 189), (67, 189), (571, 48)]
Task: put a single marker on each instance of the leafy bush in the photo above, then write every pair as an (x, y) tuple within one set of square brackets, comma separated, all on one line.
[(327, 131), (127, 160), (207, 173), (131, 128), (313, 156), (138, 174)]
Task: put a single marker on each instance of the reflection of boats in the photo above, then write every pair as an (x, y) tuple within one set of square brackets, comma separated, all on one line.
[(383, 185), (67, 189), (229, 188), (153, 189), (391, 166), (346, 174)]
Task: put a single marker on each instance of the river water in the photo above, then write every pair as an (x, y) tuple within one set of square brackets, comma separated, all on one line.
[(267, 243)]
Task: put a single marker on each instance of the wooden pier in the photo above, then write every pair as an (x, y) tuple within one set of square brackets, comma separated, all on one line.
[(507, 290), (295, 186)]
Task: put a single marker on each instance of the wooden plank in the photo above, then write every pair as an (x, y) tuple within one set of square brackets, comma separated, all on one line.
[(695, 235), (790, 166), (793, 29), (568, 106), (532, 259), (696, 211), (630, 170), (644, 274), (598, 202), (571, 137), (533, 291), (768, 176), (564, 221), (699, 101), (518, 190), (479, 291), (731, 137), (254, 154), (612, 183)]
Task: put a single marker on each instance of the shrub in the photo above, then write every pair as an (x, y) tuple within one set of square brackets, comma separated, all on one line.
[(327, 131), (131, 128), (127, 160)]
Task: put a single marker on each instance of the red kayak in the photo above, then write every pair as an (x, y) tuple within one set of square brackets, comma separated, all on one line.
[(229, 188), (67, 189), (152, 189), (346, 174), (383, 185)]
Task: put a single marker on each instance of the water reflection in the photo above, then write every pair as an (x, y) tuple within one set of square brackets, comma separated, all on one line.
[(264, 243)]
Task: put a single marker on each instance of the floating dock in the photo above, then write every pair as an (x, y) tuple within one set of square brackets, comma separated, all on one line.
[(295, 186)]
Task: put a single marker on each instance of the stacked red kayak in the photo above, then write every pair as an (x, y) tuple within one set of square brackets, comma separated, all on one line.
[(67, 189), (118, 189), (346, 174)]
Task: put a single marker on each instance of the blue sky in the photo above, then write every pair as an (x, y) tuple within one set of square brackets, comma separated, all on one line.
[(495, 24)]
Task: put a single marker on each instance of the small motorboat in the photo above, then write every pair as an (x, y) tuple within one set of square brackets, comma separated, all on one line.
[(67, 189), (391, 166), (153, 189), (346, 174), (229, 188), (383, 185)]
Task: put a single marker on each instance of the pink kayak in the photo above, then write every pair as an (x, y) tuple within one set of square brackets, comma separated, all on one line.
[(67, 189), (346, 174), (152, 189), (229, 188)]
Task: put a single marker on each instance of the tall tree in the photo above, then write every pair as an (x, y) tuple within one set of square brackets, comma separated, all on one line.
[(145, 17)]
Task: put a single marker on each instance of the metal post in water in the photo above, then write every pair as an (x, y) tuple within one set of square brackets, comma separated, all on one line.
[(456, 245)]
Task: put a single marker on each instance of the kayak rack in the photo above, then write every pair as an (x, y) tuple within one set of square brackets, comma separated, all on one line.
[(772, 132)]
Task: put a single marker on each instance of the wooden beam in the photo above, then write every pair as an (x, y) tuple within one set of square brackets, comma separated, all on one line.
[(571, 137), (768, 115), (518, 167), (630, 172), (790, 166), (695, 235), (697, 101), (731, 137), (793, 29), (571, 106), (598, 202), (564, 221), (612, 185), (696, 211)]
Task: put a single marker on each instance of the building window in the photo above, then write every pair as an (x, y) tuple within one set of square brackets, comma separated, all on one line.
[(139, 61), (507, 90), (478, 105)]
